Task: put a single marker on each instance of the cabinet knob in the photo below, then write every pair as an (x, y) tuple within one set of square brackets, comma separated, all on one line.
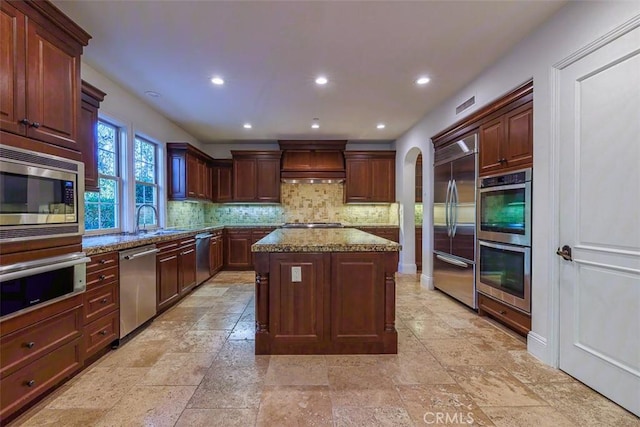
[(102, 277), (30, 383), (103, 301), (30, 344), (35, 125), (503, 160), (503, 312), (25, 122), (103, 261), (103, 332)]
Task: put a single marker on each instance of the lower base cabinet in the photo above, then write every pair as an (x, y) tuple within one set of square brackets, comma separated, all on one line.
[(340, 303), (514, 319), (216, 253), (237, 246), (39, 350), (175, 271)]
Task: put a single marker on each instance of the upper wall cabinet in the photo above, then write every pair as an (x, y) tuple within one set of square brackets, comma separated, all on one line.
[(371, 176), (222, 172), (40, 67), (188, 173), (506, 142), (88, 134), (256, 176)]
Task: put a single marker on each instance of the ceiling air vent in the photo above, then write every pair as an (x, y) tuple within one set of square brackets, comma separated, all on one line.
[(466, 104)]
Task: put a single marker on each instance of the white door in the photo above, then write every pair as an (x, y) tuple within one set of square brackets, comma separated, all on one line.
[(600, 219)]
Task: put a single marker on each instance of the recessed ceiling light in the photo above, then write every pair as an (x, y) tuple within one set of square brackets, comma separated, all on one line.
[(247, 126), (316, 123), (152, 94), (423, 80), (321, 80), (380, 125), (217, 81)]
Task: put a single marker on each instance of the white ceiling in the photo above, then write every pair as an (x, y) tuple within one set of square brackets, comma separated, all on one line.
[(269, 53)]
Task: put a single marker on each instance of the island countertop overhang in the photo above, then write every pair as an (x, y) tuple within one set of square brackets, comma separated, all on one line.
[(323, 240)]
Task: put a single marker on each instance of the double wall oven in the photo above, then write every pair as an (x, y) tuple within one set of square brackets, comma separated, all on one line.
[(40, 198), (504, 238)]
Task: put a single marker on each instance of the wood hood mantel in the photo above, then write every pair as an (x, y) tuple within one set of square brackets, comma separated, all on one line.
[(306, 161)]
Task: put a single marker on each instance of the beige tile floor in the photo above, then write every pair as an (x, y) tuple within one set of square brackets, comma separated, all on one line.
[(194, 366)]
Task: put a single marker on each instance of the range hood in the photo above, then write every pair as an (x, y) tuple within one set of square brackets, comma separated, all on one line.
[(314, 162)]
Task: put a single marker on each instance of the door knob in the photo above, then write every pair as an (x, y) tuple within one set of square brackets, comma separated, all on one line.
[(565, 253)]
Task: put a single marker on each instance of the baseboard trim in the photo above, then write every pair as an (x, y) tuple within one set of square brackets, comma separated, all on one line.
[(407, 268), (537, 347), (426, 281)]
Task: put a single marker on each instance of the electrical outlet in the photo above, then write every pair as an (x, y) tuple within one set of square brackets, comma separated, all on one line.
[(296, 274)]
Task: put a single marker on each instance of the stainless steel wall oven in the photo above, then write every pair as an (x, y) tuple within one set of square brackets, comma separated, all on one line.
[(40, 195)]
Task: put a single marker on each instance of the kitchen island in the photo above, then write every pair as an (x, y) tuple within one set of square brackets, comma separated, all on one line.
[(325, 291)]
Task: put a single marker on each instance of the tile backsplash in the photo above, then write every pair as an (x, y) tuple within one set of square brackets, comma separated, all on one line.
[(299, 203)]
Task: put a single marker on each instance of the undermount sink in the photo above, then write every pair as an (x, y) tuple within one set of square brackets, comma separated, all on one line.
[(159, 232)]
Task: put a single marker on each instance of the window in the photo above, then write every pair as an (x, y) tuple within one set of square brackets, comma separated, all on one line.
[(145, 169), (102, 210)]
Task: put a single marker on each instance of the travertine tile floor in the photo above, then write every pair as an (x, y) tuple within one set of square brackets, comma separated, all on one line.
[(194, 366)]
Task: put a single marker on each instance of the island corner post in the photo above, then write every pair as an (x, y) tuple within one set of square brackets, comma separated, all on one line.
[(337, 302)]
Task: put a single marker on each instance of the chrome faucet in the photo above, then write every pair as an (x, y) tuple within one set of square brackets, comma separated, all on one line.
[(138, 215)]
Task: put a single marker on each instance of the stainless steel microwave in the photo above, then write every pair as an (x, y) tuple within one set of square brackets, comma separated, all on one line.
[(40, 195)]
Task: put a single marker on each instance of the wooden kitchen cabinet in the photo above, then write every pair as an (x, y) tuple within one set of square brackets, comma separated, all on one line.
[(419, 248), (167, 275), (88, 134), (418, 194), (237, 247), (216, 252), (256, 176), (187, 265), (222, 179), (389, 233), (188, 173), (506, 142), (39, 350), (40, 65), (370, 176), (514, 319), (101, 304)]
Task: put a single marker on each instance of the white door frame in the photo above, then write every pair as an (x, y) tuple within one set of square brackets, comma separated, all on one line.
[(553, 341)]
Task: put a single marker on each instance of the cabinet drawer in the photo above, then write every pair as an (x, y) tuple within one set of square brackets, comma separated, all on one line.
[(102, 332), (24, 385), (102, 261), (100, 301), (28, 344), (520, 322), (102, 277)]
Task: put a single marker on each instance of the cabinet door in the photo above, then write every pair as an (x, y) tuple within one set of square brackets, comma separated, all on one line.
[(491, 143), (518, 151), (167, 280), (383, 180), (215, 255), (298, 302), (53, 88), (12, 60), (244, 178), (419, 248), (87, 137), (358, 182), (193, 177), (367, 321), (177, 175), (223, 191), (268, 180), (187, 268), (418, 196), (238, 250), (208, 182)]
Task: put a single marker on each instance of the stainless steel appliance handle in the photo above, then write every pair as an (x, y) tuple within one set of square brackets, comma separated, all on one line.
[(42, 269), (139, 254), (452, 261), (454, 208), (447, 208), (204, 236)]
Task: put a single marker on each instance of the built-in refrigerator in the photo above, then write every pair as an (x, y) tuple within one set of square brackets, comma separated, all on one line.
[(454, 219)]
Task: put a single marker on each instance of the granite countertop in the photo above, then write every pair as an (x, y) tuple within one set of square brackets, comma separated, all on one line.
[(323, 240)]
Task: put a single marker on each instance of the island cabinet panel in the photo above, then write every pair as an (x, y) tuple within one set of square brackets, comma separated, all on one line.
[(298, 298), (336, 303), (355, 282)]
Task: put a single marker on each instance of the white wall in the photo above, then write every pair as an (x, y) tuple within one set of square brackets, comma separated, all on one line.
[(573, 27), (136, 118)]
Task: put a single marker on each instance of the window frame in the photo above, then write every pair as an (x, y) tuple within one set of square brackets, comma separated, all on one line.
[(119, 135), (156, 178)]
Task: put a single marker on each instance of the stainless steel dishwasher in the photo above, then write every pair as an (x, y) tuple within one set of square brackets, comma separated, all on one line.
[(203, 261), (137, 287)]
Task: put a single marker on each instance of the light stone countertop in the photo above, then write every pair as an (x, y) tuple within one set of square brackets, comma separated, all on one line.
[(323, 240)]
